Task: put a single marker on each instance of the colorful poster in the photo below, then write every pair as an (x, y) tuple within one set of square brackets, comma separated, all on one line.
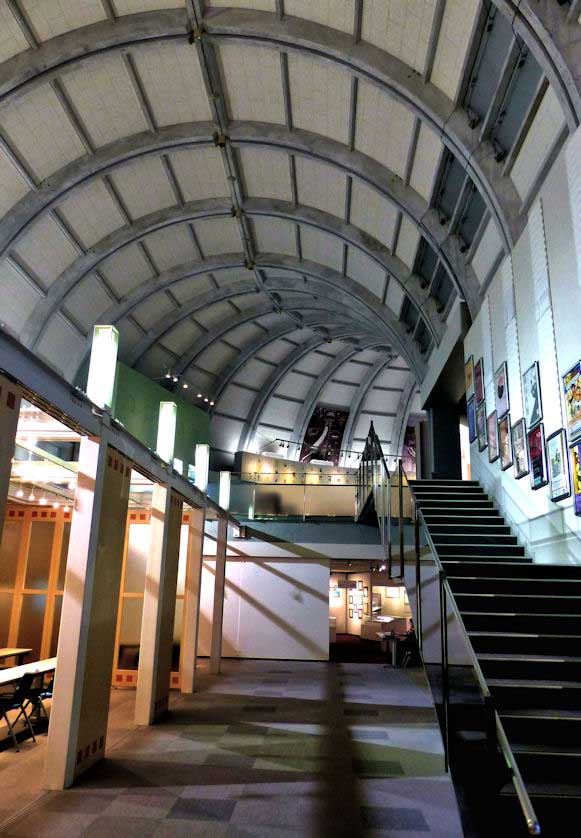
[(536, 440), (479, 381), (492, 424), (572, 388), (505, 442), (481, 426), (531, 387), (469, 377), (519, 446), (558, 461), (324, 434), (501, 391), (409, 451), (576, 474), (471, 408)]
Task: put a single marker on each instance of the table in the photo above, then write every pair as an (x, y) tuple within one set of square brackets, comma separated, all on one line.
[(393, 640), (14, 673), (14, 653)]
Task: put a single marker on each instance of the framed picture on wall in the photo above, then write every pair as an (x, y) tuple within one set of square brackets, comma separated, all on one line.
[(531, 388), (366, 592), (558, 464), (376, 600), (536, 441), (471, 409), (350, 599), (479, 381), (501, 390), (492, 423), (481, 426), (469, 377), (360, 613), (366, 609), (505, 442), (519, 448), (350, 613), (576, 477), (572, 391), (360, 584)]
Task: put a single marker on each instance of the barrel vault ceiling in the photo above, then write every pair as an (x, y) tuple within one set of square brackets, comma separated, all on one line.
[(279, 202)]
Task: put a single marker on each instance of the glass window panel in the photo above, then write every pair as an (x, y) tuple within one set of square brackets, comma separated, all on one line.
[(177, 635), (183, 559), (58, 607), (63, 556), (11, 538), (39, 552), (130, 633), (136, 564), (31, 623), (5, 611)]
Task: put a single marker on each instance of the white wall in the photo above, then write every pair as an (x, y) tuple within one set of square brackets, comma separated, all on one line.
[(532, 312)]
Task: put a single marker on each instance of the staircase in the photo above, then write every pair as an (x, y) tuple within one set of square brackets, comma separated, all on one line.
[(524, 623)]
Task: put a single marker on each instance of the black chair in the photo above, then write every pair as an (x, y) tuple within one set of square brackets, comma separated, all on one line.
[(36, 692), (16, 699)]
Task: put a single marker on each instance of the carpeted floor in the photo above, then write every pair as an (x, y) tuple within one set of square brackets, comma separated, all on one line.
[(270, 749)]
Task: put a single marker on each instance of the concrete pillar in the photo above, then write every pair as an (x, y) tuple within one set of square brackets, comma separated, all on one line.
[(219, 587), (9, 411), (159, 601), (80, 709), (191, 615), (445, 439)]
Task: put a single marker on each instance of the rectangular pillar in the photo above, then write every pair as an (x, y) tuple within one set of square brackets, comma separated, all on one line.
[(159, 606), (9, 412), (191, 615), (80, 709), (219, 589)]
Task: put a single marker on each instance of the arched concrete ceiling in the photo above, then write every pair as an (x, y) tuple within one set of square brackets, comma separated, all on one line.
[(279, 202)]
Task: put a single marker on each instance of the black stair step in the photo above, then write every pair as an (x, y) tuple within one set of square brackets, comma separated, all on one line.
[(555, 763), (475, 520), (522, 623), (526, 585), (444, 481), (480, 551), (525, 644), (519, 603), (450, 498), (493, 536), (542, 727), (510, 569), (471, 531), (514, 694), (458, 504), (536, 667), (556, 805), (464, 513)]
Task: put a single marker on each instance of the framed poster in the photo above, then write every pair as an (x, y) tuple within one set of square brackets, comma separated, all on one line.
[(350, 599), (324, 434), (536, 441), (519, 448), (492, 423), (531, 388), (375, 601), (572, 390), (350, 613), (469, 377), (471, 407), (360, 613), (366, 609), (576, 474), (366, 592), (360, 584), (505, 442), (558, 463), (501, 390), (481, 426), (479, 381)]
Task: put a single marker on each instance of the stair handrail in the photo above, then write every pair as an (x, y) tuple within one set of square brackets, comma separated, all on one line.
[(525, 803), (373, 477)]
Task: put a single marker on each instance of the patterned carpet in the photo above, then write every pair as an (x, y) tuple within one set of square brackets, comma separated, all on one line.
[(270, 749)]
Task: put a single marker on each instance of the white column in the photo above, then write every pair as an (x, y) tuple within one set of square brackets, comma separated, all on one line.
[(9, 411), (159, 600), (80, 709), (219, 588), (191, 615)]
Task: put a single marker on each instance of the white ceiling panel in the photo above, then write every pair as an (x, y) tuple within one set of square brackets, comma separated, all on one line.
[(276, 351), (253, 82), (12, 184), (182, 336), (12, 40), (313, 363), (322, 248), (266, 173), (372, 213), (254, 373), (458, 22), (129, 334), (321, 186), (91, 212), (219, 312), (383, 425), (173, 66), (144, 186), (216, 357), (320, 96), (236, 401), (126, 269), (392, 377), (155, 362), (152, 309), (103, 96), (218, 235), (280, 412), (407, 243), (394, 297), (294, 385), (200, 173), (246, 302), (19, 297), (244, 334), (351, 372), (382, 400), (39, 128), (338, 14), (547, 126), (429, 151), (384, 128), (171, 246), (338, 394), (225, 433), (50, 19), (88, 300), (192, 287), (132, 7), (367, 272), (47, 250), (60, 346), (402, 29), (274, 235)]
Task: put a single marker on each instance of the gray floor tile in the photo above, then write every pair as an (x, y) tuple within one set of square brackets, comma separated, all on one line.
[(195, 809), (402, 820)]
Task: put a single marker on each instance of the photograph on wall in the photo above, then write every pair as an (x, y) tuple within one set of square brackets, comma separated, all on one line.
[(558, 464), (501, 390), (360, 614), (409, 451), (536, 442), (492, 423), (576, 477), (360, 584), (479, 381), (481, 426), (471, 409), (469, 377), (324, 435), (350, 599), (505, 442), (519, 448), (531, 388), (572, 390), (350, 613), (365, 592)]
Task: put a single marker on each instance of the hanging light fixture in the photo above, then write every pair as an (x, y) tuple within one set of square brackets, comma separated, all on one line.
[(20, 493), (32, 496)]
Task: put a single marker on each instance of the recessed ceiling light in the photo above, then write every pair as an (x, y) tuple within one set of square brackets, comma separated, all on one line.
[(20, 493), (205, 399), (175, 379), (211, 404), (42, 501), (185, 386), (56, 505)]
